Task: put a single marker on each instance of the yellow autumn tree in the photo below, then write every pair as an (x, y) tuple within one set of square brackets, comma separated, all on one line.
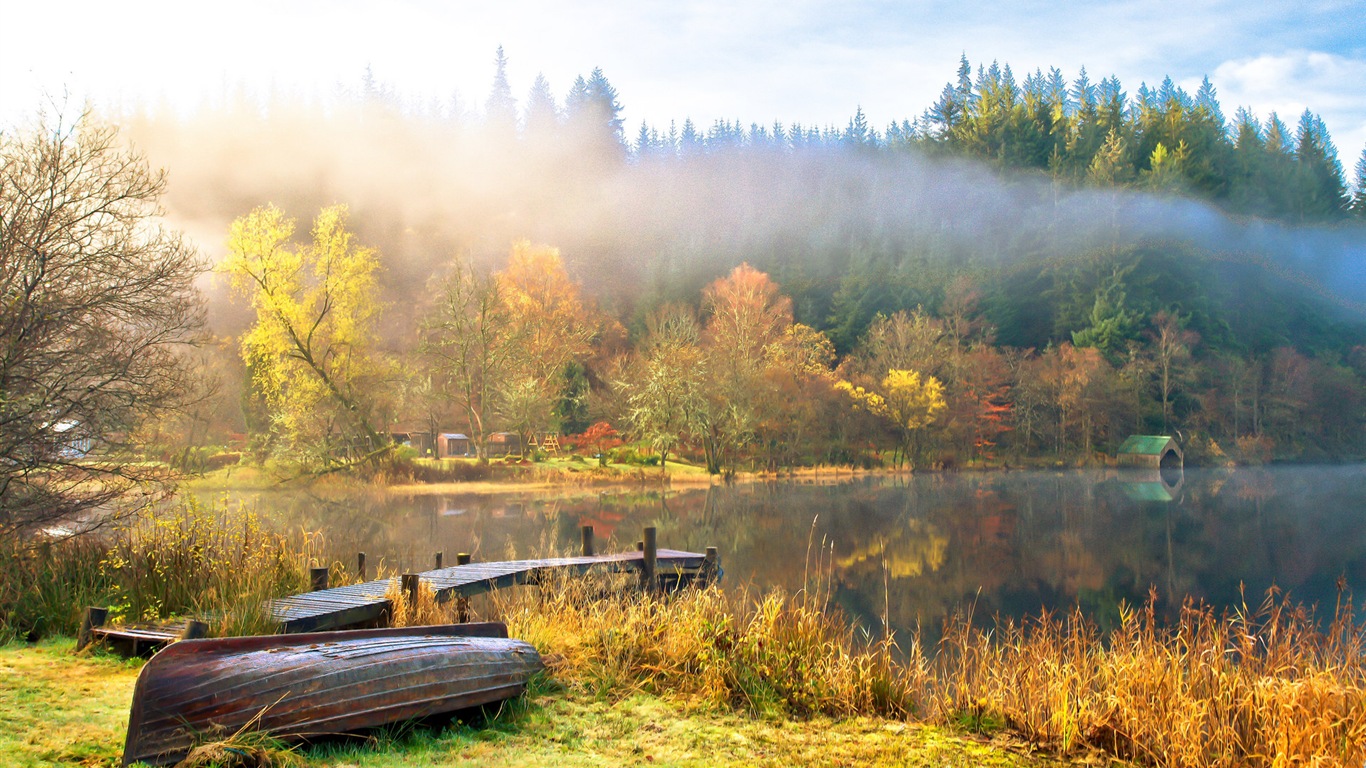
[(310, 351), (903, 397)]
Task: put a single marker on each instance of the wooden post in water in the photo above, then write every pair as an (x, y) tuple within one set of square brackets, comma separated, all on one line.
[(409, 583), (360, 565), (439, 556), (194, 629), (711, 566), (462, 603), (317, 579), (94, 617), (651, 559), (588, 541)]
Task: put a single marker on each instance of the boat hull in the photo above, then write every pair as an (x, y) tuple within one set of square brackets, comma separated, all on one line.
[(308, 685)]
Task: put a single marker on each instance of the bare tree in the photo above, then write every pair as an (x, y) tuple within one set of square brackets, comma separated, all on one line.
[(97, 300)]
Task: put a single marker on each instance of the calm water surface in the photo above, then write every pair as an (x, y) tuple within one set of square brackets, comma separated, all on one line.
[(923, 546)]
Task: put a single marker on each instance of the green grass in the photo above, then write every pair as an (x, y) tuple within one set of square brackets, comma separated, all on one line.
[(60, 708), (57, 708), (558, 729)]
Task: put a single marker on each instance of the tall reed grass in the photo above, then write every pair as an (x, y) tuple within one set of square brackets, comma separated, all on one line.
[(1263, 687), (1268, 686), (217, 562)]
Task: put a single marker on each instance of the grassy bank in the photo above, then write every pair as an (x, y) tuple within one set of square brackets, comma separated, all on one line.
[(57, 708)]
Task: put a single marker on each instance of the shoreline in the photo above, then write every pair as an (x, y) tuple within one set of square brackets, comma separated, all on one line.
[(572, 480)]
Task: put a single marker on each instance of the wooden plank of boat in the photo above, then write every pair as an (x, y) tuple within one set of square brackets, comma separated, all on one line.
[(312, 684)]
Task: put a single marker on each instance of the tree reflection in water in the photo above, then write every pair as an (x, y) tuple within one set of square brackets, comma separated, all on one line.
[(922, 546)]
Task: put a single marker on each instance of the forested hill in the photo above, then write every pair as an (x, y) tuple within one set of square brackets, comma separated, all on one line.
[(1072, 211)]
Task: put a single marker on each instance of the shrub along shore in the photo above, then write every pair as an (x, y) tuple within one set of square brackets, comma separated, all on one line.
[(1265, 685)]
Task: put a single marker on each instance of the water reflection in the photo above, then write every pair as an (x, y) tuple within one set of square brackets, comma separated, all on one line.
[(918, 548)]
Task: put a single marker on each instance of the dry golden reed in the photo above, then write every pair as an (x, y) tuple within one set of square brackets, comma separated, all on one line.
[(1251, 688), (778, 653), (1264, 687), (424, 611), (218, 562)]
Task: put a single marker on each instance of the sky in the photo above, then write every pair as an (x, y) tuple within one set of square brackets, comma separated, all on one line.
[(803, 61)]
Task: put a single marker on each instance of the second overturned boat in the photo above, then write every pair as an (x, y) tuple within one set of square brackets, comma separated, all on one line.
[(297, 686)]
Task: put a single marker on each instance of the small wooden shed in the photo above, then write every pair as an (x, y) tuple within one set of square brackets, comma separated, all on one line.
[(453, 444), (1150, 452), (504, 444), (416, 439)]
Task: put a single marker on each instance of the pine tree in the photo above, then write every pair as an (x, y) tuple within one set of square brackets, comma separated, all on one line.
[(1322, 194), (1207, 103), (1358, 205), (1249, 170), (500, 111), (857, 133), (542, 116), (689, 141), (644, 147)]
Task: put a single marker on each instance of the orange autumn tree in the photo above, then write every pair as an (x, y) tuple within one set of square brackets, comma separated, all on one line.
[(745, 316), (552, 326)]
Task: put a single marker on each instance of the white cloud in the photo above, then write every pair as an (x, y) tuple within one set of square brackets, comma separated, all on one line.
[(1288, 83)]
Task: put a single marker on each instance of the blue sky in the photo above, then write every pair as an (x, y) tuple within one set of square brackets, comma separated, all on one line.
[(791, 60)]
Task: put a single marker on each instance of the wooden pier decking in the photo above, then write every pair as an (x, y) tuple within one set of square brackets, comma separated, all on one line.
[(367, 604), (364, 603)]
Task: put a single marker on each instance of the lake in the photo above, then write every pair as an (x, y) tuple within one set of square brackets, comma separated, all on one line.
[(917, 547)]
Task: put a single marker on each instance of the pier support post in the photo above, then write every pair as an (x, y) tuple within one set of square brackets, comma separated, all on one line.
[(194, 629), (94, 617), (438, 558), (409, 583), (317, 579), (462, 558), (650, 561), (711, 566), (360, 565), (588, 541)]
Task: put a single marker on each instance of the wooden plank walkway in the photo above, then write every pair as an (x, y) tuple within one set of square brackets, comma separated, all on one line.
[(364, 603)]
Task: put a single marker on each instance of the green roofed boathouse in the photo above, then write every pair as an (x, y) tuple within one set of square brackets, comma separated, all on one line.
[(1150, 451)]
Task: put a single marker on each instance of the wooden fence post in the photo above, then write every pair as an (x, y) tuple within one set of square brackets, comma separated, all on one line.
[(194, 629), (711, 565), (650, 561), (588, 541), (462, 603), (317, 579), (94, 617)]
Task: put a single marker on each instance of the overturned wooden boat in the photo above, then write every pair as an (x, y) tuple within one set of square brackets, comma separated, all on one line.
[(308, 685)]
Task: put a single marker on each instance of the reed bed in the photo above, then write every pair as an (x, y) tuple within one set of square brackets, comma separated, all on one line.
[(1249, 687), (218, 562), (1264, 687)]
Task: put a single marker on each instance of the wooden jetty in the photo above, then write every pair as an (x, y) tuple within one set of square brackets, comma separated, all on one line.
[(366, 604)]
